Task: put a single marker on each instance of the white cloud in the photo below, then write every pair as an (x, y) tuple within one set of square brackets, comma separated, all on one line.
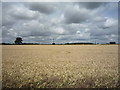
[(110, 22)]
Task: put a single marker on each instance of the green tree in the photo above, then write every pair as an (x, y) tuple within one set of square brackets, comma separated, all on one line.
[(18, 40)]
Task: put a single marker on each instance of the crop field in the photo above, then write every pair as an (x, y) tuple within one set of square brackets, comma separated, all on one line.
[(59, 66)]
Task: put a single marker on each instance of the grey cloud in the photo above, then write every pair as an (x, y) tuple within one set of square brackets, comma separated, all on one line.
[(8, 20), (27, 16), (91, 5), (6, 17), (104, 38), (0, 14), (73, 15), (41, 22), (99, 19), (16, 12), (46, 8), (99, 32)]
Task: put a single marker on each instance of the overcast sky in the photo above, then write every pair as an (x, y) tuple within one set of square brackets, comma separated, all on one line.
[(40, 22)]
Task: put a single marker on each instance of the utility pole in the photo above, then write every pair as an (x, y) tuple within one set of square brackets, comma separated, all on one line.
[(53, 42), (95, 42)]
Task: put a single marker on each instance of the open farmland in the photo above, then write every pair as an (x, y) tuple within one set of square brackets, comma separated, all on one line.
[(59, 66)]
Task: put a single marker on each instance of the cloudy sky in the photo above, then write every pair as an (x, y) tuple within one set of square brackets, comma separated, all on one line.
[(40, 22)]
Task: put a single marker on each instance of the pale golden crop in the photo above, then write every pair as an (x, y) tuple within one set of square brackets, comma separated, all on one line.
[(60, 66)]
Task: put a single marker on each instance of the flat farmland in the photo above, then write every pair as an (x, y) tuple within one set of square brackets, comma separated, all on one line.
[(59, 66)]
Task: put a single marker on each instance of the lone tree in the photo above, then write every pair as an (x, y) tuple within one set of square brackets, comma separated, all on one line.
[(18, 40)]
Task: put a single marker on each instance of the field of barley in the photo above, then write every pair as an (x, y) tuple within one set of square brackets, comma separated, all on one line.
[(59, 66)]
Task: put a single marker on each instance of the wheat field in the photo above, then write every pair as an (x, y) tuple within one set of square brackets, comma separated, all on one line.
[(59, 66)]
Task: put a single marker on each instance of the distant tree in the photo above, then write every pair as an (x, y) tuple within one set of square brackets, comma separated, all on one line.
[(53, 43), (112, 42), (18, 40)]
